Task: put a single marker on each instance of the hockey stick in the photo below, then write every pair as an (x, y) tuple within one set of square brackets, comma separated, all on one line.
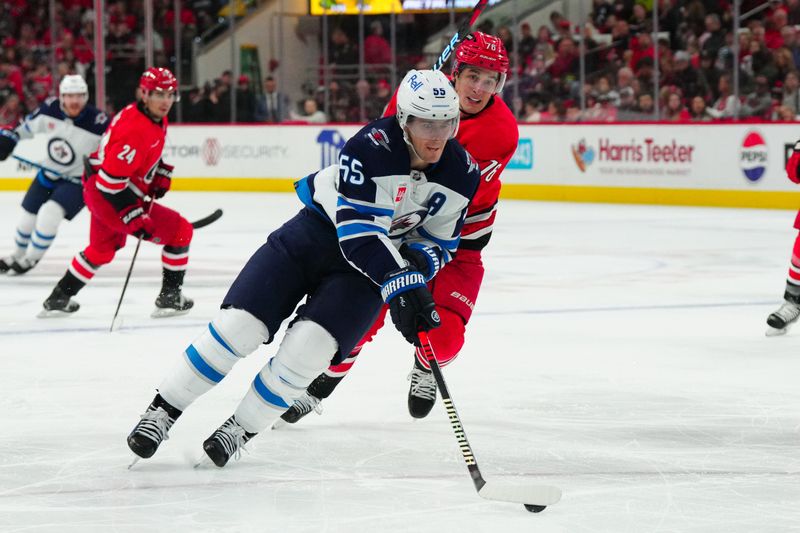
[(37, 165), (125, 286), (535, 498), (205, 221), (461, 32)]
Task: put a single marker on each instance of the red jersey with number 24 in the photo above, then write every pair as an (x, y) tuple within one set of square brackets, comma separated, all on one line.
[(129, 151)]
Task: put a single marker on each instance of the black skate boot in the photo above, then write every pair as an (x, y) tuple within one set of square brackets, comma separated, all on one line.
[(786, 315), (6, 262), (60, 302), (153, 428), (226, 442), (171, 301), (320, 388), (22, 266), (422, 392)]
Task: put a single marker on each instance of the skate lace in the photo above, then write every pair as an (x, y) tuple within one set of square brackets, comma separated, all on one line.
[(155, 425), (232, 438), (423, 384), (307, 403), (788, 312)]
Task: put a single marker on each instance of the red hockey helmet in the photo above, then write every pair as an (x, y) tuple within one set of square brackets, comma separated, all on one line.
[(158, 79), (483, 51)]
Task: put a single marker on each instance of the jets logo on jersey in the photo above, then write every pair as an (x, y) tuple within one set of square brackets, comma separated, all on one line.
[(379, 138), (404, 224), (60, 151)]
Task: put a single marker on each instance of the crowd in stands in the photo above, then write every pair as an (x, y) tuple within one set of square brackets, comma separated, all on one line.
[(694, 55), (695, 63)]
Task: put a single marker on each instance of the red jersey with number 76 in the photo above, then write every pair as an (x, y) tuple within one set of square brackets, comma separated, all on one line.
[(491, 138), (129, 151)]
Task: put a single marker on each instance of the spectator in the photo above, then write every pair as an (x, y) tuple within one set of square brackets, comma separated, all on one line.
[(773, 36), (639, 22), (527, 43), (311, 113), (645, 106), (758, 103), (245, 100), (272, 106), (714, 38), (784, 63), (376, 47), (674, 110), (698, 111), (601, 10), (726, 105), (566, 61), (504, 33), (11, 110), (790, 95), (784, 113), (686, 76), (342, 52), (790, 41)]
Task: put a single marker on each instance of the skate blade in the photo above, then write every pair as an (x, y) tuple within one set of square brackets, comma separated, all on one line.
[(775, 332), (44, 313), (280, 423), (166, 313), (135, 460)]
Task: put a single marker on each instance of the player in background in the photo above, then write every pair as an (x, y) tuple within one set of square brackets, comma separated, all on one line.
[(375, 227), (73, 129), (789, 312), (127, 176), (488, 131)]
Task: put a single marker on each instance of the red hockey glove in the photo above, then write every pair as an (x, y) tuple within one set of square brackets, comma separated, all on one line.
[(794, 163), (137, 222), (162, 179)]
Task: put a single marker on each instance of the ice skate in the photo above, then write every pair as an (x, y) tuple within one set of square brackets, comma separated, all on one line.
[(58, 304), (152, 429), (6, 262), (172, 303), (300, 408), (780, 320), (226, 442), (21, 266), (422, 392)]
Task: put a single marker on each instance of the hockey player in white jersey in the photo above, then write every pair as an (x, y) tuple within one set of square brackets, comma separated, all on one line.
[(375, 227), (73, 129)]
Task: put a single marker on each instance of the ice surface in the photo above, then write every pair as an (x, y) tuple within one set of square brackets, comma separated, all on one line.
[(617, 352)]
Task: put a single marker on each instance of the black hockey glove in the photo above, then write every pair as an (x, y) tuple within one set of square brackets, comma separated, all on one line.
[(162, 179), (422, 258), (8, 141), (410, 303)]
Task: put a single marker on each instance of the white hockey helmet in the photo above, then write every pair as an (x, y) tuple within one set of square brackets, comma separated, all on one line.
[(73, 84), (427, 94)]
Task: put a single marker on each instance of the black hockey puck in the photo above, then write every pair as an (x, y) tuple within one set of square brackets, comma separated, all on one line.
[(534, 508)]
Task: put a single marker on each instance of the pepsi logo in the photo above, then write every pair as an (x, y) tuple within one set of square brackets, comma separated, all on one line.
[(753, 157)]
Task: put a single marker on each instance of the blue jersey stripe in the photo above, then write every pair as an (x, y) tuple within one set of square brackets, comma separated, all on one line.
[(200, 364), (218, 338), (450, 244), (365, 209), (267, 395), (357, 229)]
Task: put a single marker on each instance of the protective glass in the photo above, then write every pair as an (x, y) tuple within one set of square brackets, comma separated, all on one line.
[(421, 128)]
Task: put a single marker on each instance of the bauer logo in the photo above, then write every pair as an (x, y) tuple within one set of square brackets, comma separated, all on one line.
[(523, 157), (753, 157), (331, 143), (583, 154)]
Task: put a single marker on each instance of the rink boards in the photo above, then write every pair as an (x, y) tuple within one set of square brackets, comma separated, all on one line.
[(736, 165)]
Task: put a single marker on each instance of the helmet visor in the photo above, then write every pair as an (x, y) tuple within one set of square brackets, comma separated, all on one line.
[(423, 128)]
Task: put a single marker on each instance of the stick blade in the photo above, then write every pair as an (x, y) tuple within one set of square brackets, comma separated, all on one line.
[(511, 492)]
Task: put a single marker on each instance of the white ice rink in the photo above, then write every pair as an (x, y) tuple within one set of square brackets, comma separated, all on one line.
[(617, 352)]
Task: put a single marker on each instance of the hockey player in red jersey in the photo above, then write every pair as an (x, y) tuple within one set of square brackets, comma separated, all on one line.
[(788, 313), (488, 131), (126, 177)]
